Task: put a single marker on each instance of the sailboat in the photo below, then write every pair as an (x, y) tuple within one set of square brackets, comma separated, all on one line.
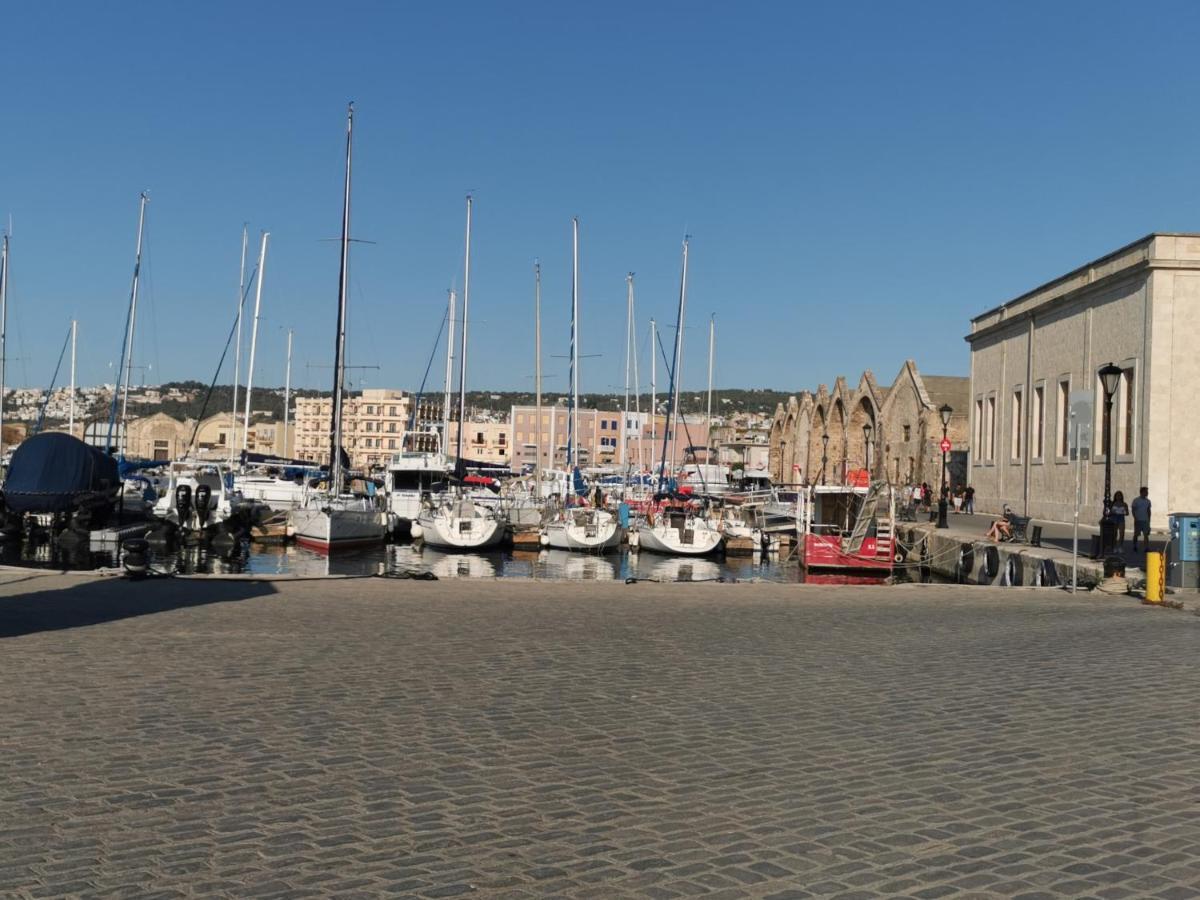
[(679, 529), (452, 520), (579, 527), (335, 517)]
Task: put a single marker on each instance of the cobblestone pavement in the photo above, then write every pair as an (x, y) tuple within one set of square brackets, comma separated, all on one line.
[(367, 738)]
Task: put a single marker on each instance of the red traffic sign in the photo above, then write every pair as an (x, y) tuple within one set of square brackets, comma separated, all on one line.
[(945, 445)]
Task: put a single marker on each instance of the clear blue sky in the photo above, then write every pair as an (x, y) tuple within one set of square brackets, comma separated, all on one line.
[(858, 179)]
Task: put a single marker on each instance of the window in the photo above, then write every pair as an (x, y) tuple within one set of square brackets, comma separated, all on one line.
[(479, 437), (1064, 417), (604, 424), (370, 410), (502, 439), (391, 410), (908, 432), (392, 427), (613, 425), (221, 437), (391, 443), (1127, 409), (1038, 436), (978, 436), (1018, 409), (520, 419), (991, 428)]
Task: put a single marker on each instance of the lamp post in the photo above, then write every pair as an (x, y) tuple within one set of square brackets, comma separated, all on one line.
[(824, 454), (867, 446), (945, 411), (1110, 377)]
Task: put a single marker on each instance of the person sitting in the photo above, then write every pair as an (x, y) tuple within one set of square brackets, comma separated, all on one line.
[(1001, 529)]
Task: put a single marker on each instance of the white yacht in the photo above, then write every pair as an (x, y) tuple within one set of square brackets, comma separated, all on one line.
[(280, 492), (459, 523), (198, 497), (679, 532), (412, 479), (584, 528)]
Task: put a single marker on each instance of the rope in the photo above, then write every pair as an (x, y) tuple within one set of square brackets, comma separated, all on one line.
[(50, 391)]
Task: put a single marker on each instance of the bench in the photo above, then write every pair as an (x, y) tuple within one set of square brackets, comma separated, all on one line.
[(1020, 530)]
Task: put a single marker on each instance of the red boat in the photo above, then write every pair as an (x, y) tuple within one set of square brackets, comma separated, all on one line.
[(847, 529)]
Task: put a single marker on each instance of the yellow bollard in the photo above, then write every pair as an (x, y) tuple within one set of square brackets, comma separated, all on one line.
[(1155, 577)]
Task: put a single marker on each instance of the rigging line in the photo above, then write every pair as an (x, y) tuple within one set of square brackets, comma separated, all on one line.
[(412, 419), (681, 418), (50, 391), (217, 374), (153, 312)]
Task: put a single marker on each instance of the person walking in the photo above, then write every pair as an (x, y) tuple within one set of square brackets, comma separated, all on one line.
[(1141, 517), (969, 501), (1117, 513)]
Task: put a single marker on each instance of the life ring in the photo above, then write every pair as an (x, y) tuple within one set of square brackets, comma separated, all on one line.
[(1046, 574), (1013, 576), (991, 565), (900, 555), (966, 563)]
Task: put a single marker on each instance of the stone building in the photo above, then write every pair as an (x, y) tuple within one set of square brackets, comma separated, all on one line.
[(159, 437), (902, 430), (1033, 356), (373, 426)]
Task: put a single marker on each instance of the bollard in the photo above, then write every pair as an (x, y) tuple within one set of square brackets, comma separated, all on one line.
[(1155, 577)]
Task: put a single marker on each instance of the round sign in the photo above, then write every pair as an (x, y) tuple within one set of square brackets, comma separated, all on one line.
[(945, 445)]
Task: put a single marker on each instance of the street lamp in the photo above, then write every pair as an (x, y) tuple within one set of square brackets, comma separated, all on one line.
[(945, 411), (867, 446), (824, 454), (1110, 377)]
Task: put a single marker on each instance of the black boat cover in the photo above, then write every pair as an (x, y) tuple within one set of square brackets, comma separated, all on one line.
[(56, 472)]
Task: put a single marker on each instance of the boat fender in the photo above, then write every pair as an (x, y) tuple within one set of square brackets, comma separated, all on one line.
[(416, 531), (991, 565), (966, 563), (203, 502), (183, 503), (1046, 574), (1013, 576), (924, 550), (136, 558), (544, 539), (635, 540), (901, 554)]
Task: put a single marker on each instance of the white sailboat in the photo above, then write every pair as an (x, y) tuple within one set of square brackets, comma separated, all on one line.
[(587, 529), (679, 530), (336, 517), (455, 521)]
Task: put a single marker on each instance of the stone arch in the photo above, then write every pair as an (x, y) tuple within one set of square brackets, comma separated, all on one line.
[(775, 447), (836, 425), (817, 428), (862, 414)]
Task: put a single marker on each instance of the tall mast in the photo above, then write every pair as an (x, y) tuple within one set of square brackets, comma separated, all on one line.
[(712, 324), (287, 395), (637, 389), (628, 354), (573, 440), (3, 329), (672, 431), (130, 320), (449, 372), (339, 348), (537, 376), (262, 271), (71, 402), (653, 386), (462, 351), (237, 353)]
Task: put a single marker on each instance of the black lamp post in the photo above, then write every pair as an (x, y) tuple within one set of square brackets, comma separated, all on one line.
[(824, 454), (945, 411), (1110, 377), (867, 446)]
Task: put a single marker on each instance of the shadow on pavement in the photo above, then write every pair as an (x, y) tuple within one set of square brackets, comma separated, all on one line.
[(94, 602)]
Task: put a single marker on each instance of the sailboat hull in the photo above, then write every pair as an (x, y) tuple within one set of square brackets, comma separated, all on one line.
[(587, 535), (700, 540), (327, 529), (446, 531)]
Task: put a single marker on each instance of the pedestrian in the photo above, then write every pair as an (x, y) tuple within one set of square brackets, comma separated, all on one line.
[(1141, 517), (958, 499), (969, 501), (1117, 513)]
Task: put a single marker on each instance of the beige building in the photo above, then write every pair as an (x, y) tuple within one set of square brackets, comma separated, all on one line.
[(483, 442), (159, 437), (902, 422), (1137, 308), (373, 426)]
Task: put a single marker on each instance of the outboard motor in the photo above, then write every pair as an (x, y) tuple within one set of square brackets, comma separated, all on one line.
[(183, 504), (203, 502)]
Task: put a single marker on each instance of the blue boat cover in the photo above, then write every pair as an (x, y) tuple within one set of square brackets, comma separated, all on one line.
[(55, 472)]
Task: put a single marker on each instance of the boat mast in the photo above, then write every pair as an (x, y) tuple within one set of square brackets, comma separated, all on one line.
[(653, 386), (237, 353), (287, 394), (628, 344), (537, 377), (462, 350), (126, 364), (672, 431), (449, 372), (637, 388), (71, 402), (573, 439), (262, 271), (712, 324), (339, 348), (3, 330)]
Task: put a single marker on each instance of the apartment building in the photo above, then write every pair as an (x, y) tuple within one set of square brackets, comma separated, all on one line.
[(373, 426)]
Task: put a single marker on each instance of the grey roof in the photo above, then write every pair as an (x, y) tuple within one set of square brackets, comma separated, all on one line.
[(952, 389)]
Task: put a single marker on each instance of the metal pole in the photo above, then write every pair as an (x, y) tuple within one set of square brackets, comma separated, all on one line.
[(287, 395), (137, 268), (449, 381), (653, 385), (71, 406), (712, 325), (3, 331), (537, 377), (1075, 531), (573, 443), (262, 271), (237, 353), (637, 388), (339, 351), (628, 355), (943, 504), (462, 362), (677, 362)]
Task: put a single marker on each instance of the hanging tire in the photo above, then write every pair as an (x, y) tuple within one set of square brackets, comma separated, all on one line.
[(1046, 574), (900, 555), (1013, 576), (966, 563), (991, 565)]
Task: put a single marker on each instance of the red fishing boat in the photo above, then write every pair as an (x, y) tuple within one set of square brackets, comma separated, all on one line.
[(847, 529)]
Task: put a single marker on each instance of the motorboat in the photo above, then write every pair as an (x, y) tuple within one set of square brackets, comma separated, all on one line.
[(198, 499), (412, 479), (847, 528)]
